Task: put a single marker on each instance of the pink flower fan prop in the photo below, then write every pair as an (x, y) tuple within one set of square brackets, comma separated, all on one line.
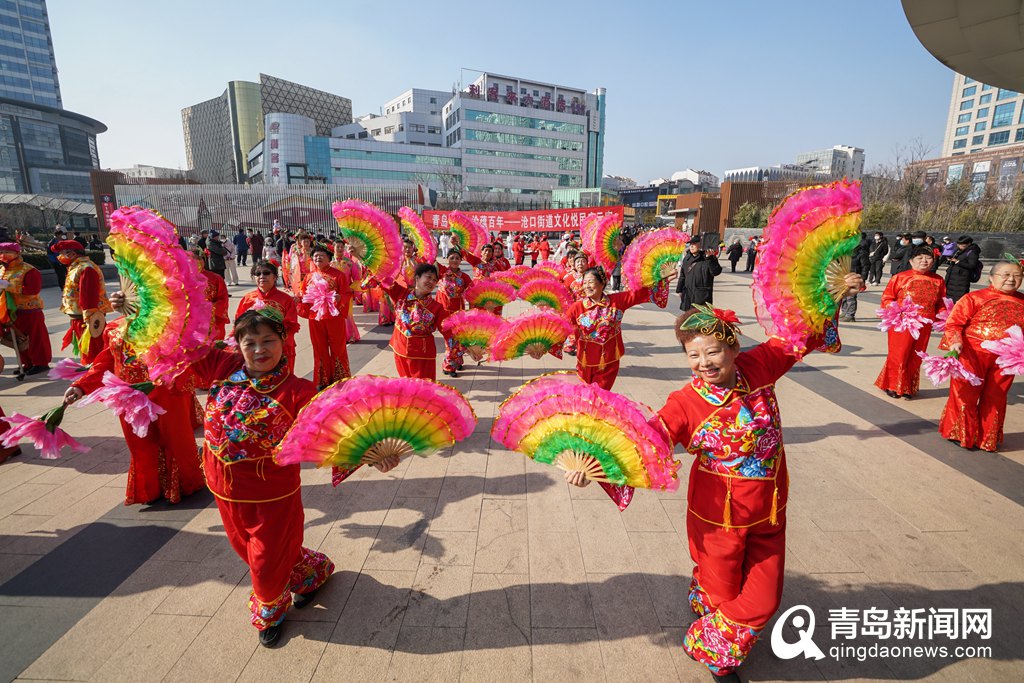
[(902, 316), (533, 333), (1009, 351), (802, 261), (44, 433), (67, 369), (321, 298), (940, 318), (362, 420), (551, 268), (130, 402), (601, 239), (417, 231), (168, 316), (373, 236), (471, 235), (652, 257), (940, 369), (558, 420)]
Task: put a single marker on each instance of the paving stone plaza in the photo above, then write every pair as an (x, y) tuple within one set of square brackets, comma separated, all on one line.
[(476, 564)]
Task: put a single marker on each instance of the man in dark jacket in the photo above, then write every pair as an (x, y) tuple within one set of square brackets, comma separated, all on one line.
[(962, 265), (734, 252), (861, 263), (59, 268), (697, 271), (898, 255), (876, 255), (255, 241), (241, 247), (215, 253)]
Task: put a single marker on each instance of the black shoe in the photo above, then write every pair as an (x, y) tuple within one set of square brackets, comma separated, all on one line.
[(270, 636), (906, 397), (36, 369), (300, 600), (891, 394), (726, 678)]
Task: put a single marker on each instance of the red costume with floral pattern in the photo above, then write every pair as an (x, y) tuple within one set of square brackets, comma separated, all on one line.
[(902, 370), (330, 353), (598, 331), (84, 296), (285, 303), (451, 286), (165, 462), (974, 415), (217, 295), (22, 306), (260, 502), (416, 319), (735, 521)]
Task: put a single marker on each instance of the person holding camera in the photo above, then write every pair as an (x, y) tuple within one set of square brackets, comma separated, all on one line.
[(697, 272)]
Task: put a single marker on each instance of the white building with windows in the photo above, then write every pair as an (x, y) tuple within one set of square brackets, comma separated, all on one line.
[(981, 117), (840, 161)]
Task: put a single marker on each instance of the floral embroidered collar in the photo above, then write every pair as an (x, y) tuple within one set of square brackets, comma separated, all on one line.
[(590, 303), (717, 395), (265, 384)]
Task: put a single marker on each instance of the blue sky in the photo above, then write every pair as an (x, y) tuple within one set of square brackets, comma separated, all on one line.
[(711, 85)]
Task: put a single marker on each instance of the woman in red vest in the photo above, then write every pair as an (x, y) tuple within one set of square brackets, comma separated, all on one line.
[(23, 308), (417, 317)]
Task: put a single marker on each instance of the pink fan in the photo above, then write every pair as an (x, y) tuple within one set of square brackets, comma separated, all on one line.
[(941, 369), (44, 433), (940, 318), (130, 402), (902, 316), (1009, 351)]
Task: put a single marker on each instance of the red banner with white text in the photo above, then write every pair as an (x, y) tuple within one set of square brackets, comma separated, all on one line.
[(548, 220)]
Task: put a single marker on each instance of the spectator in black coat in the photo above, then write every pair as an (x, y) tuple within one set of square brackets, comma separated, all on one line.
[(876, 256), (751, 255), (860, 262), (898, 255), (697, 272), (215, 254), (734, 252), (962, 265)]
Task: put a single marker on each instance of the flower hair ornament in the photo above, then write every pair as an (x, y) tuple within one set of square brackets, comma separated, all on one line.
[(719, 323)]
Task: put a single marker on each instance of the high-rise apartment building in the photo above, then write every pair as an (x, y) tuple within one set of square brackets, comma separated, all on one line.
[(220, 132), (982, 117), (44, 149)]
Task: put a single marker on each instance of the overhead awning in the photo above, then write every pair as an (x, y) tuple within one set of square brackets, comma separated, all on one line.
[(43, 201)]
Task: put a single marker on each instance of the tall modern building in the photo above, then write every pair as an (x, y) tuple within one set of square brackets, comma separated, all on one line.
[(220, 132), (981, 117), (44, 149)]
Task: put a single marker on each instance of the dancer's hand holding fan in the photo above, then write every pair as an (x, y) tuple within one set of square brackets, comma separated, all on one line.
[(652, 259), (373, 236), (471, 235), (803, 262)]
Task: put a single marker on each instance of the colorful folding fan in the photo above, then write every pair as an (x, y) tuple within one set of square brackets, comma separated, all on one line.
[(652, 257), (414, 229), (489, 293), (474, 329), (546, 292), (602, 239), (556, 419), (373, 236), (508, 277), (802, 260), (534, 333), (165, 294), (365, 419), (472, 236), (1009, 351), (551, 268)]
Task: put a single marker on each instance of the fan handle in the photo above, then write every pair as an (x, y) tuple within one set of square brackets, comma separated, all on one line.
[(571, 461), (536, 350), (386, 448)]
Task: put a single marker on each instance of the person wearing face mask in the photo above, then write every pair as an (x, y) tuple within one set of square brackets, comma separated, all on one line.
[(330, 353), (59, 268), (897, 256), (267, 294), (877, 252), (21, 306), (962, 268), (697, 272), (417, 317), (84, 301), (973, 416)]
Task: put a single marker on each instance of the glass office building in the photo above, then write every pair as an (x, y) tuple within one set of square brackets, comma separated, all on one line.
[(44, 149), (982, 117)]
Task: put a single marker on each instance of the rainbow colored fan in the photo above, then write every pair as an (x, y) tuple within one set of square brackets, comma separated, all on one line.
[(520, 271), (802, 261), (488, 293), (365, 419), (556, 419), (652, 257), (373, 236), (546, 292), (165, 294), (508, 277), (414, 229), (472, 236), (534, 333), (474, 329), (602, 238), (551, 268)]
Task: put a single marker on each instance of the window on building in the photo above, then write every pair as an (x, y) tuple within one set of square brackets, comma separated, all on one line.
[(966, 104), (969, 91), (375, 132), (978, 139), (434, 130), (1000, 138), (433, 100), (981, 113), (1002, 115), (964, 118), (963, 130), (388, 130), (1005, 94), (985, 99), (979, 126), (968, 79), (363, 135), (960, 144), (1019, 137)]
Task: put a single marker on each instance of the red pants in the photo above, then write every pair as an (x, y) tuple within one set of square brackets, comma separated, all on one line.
[(420, 368), (736, 588), (330, 355), (453, 354), (268, 536), (386, 314), (603, 376), (902, 370), (33, 325), (73, 338), (974, 415), (164, 463)]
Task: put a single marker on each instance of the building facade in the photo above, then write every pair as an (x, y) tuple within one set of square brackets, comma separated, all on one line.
[(220, 132), (840, 161), (44, 149), (982, 117), (778, 173)]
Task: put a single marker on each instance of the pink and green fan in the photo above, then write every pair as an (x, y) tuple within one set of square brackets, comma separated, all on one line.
[(603, 239), (802, 260), (373, 236), (578, 427), (533, 333), (551, 268), (472, 236), (508, 277), (488, 293), (365, 419), (414, 229), (652, 257), (474, 329), (546, 292), (168, 316)]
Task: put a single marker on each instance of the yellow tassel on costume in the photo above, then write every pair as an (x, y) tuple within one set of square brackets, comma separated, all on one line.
[(773, 516), (83, 343), (727, 512)]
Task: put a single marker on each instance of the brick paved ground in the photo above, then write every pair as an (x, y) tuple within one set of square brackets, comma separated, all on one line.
[(476, 564)]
